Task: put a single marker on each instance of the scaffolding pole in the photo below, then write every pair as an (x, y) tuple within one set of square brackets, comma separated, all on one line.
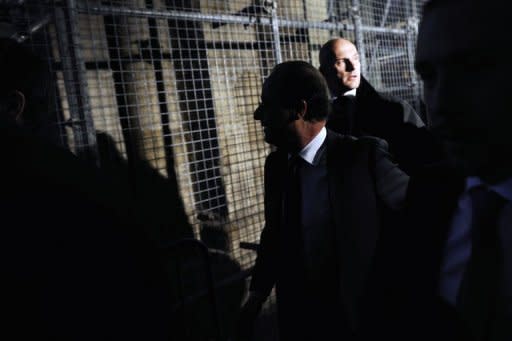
[(412, 32), (275, 34), (75, 80), (355, 13), (234, 19)]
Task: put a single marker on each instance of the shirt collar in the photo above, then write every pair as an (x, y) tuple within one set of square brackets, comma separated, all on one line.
[(503, 188), (351, 92), (309, 151)]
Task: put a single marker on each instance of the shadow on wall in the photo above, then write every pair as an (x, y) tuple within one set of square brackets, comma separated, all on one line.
[(155, 202)]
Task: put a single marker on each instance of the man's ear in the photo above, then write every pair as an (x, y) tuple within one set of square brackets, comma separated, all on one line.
[(302, 108), (15, 106)]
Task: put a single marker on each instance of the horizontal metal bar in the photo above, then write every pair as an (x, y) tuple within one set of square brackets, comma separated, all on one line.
[(231, 19), (408, 87), (170, 14), (392, 56), (249, 246)]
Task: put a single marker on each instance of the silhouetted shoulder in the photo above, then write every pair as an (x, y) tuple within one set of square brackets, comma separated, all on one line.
[(409, 115), (373, 142)]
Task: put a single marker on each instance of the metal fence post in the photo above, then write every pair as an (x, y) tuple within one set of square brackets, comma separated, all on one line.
[(75, 80), (275, 34), (412, 33), (355, 13)]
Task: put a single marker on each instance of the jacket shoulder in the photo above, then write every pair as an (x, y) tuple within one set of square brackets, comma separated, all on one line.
[(372, 142), (357, 142), (409, 115), (350, 148)]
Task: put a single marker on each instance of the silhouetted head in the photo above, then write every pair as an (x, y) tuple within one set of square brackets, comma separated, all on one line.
[(463, 60), (24, 88), (339, 63), (294, 104)]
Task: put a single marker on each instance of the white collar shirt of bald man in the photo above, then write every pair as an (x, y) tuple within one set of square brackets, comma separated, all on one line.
[(351, 92), (457, 249)]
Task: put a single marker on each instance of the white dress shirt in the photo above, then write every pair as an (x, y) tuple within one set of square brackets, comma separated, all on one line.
[(308, 153), (457, 249), (351, 92)]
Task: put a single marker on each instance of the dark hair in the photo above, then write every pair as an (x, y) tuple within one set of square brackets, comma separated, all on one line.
[(21, 70), (295, 81), (327, 57)]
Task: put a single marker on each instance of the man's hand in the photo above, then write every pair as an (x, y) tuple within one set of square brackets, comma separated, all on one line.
[(248, 314)]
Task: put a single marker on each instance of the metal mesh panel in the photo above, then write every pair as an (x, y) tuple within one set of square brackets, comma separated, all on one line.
[(390, 55), (172, 84)]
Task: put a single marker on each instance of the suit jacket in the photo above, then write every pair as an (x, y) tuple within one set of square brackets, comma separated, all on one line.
[(377, 114), (74, 267), (362, 179), (420, 313), (432, 199)]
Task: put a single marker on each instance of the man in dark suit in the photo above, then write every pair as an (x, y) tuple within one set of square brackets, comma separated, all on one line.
[(459, 274), (359, 110), (323, 194), (74, 265)]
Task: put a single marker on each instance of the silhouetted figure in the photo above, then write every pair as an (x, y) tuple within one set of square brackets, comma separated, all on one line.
[(323, 191), (359, 110), (75, 266), (157, 206), (458, 273)]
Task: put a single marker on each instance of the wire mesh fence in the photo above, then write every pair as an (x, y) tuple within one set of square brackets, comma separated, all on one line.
[(164, 91)]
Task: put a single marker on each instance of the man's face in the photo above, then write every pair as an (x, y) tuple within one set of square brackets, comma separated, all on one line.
[(347, 65), (465, 87), (277, 121)]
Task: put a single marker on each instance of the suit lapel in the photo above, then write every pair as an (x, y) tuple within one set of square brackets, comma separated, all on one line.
[(274, 186)]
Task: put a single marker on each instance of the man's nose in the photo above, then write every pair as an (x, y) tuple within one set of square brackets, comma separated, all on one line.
[(258, 113)]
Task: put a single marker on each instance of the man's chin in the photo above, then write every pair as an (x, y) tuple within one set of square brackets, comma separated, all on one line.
[(483, 164), (466, 159), (273, 141)]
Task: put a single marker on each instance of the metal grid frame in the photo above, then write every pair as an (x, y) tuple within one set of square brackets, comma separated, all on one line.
[(173, 83)]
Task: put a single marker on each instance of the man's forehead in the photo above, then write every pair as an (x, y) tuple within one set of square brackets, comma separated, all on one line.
[(274, 85), (267, 89), (344, 48), (270, 97)]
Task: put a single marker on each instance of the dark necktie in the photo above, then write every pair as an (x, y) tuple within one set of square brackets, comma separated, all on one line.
[(478, 292)]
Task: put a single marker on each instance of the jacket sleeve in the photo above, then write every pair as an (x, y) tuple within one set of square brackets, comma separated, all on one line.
[(264, 272), (390, 181)]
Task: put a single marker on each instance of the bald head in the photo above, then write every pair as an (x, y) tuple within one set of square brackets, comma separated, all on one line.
[(339, 64)]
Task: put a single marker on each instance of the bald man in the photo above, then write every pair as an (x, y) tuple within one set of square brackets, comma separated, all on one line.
[(359, 110)]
